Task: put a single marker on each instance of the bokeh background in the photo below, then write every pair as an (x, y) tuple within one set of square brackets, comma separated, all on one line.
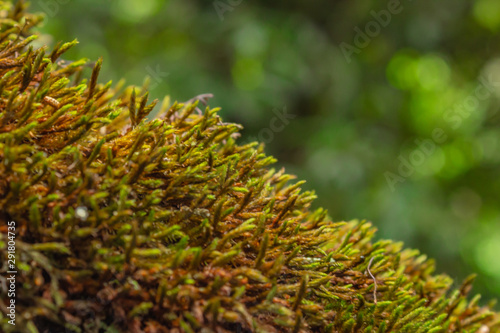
[(339, 105)]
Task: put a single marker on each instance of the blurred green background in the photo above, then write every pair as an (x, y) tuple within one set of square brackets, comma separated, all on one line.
[(339, 92)]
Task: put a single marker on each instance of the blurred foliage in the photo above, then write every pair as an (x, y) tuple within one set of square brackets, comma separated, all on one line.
[(354, 120)]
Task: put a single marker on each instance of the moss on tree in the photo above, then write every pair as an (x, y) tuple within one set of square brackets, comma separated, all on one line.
[(125, 224)]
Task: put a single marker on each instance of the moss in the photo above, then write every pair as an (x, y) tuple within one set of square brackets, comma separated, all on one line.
[(125, 224)]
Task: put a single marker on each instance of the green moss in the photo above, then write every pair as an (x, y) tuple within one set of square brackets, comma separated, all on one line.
[(168, 225)]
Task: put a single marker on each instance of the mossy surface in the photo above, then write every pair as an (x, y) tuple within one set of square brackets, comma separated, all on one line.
[(168, 225)]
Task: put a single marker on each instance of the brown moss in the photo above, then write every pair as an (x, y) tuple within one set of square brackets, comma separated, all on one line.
[(168, 225)]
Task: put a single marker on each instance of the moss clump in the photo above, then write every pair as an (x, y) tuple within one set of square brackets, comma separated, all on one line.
[(130, 225)]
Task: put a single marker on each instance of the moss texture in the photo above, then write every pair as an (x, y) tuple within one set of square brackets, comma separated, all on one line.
[(168, 225)]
